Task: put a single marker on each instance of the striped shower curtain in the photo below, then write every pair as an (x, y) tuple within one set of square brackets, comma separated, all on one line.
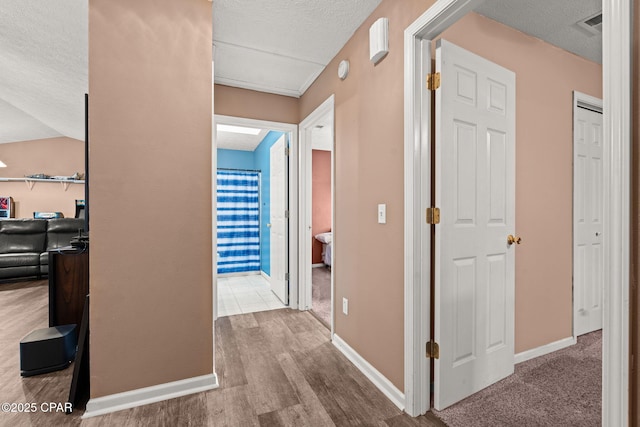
[(238, 194)]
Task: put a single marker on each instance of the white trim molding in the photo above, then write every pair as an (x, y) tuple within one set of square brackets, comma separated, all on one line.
[(586, 101), (544, 349), (440, 16), (266, 276), (305, 208), (379, 380), (147, 395), (417, 195), (616, 55)]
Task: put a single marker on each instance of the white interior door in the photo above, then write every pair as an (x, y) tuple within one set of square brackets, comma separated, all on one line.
[(588, 257), (475, 191), (278, 234)]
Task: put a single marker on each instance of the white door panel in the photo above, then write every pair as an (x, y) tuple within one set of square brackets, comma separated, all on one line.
[(278, 189), (475, 191), (588, 278)]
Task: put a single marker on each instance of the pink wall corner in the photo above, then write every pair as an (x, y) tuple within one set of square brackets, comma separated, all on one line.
[(369, 169), (321, 200), (150, 96)]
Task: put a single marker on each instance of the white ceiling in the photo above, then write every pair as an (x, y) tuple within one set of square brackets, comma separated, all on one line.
[(550, 20), (43, 77), (277, 46), (281, 46), (20, 126), (239, 141)]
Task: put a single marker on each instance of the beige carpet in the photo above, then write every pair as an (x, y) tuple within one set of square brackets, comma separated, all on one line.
[(559, 389), (321, 293)]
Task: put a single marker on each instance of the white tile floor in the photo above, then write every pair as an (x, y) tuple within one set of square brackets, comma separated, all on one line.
[(245, 294)]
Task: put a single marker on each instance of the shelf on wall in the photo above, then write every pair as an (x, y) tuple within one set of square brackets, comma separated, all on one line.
[(32, 181)]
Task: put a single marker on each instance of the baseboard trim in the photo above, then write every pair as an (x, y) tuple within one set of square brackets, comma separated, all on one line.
[(144, 396), (239, 274), (266, 276), (544, 349), (379, 380), (317, 265)]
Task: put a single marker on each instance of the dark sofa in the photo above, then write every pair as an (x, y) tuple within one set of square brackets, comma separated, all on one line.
[(24, 244)]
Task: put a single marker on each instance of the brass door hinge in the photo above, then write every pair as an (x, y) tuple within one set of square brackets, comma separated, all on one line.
[(433, 350), (433, 216), (287, 151), (433, 81)]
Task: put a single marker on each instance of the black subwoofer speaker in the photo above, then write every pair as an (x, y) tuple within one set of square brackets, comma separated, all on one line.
[(47, 350)]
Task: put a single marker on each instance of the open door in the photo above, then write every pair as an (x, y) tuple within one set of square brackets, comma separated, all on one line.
[(474, 243), (278, 194)]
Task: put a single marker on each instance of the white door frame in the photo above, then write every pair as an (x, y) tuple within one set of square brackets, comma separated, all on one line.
[(305, 128), (293, 198), (617, 31), (581, 100)]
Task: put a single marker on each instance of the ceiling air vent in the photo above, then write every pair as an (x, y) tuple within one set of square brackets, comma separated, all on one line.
[(592, 24)]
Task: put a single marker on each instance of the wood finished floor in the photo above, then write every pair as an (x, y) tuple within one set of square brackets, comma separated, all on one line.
[(276, 368)]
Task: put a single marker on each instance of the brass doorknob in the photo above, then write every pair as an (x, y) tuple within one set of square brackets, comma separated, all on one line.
[(511, 239), (269, 225)]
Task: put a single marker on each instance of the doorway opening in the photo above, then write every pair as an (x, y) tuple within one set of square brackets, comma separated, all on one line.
[(317, 204), (418, 129), (251, 181)]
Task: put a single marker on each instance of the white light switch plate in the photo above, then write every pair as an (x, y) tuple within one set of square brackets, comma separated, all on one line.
[(345, 306), (382, 214)]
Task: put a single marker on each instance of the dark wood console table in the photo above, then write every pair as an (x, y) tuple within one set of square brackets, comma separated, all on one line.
[(69, 303), (68, 285)]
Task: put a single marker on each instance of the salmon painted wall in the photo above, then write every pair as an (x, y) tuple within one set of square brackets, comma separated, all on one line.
[(369, 169), (250, 104), (150, 102), (544, 169), (52, 156), (320, 199)]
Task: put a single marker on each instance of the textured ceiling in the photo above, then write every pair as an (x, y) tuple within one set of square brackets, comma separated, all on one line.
[(16, 125), (550, 20), (281, 46), (43, 76), (277, 46), (238, 141)]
